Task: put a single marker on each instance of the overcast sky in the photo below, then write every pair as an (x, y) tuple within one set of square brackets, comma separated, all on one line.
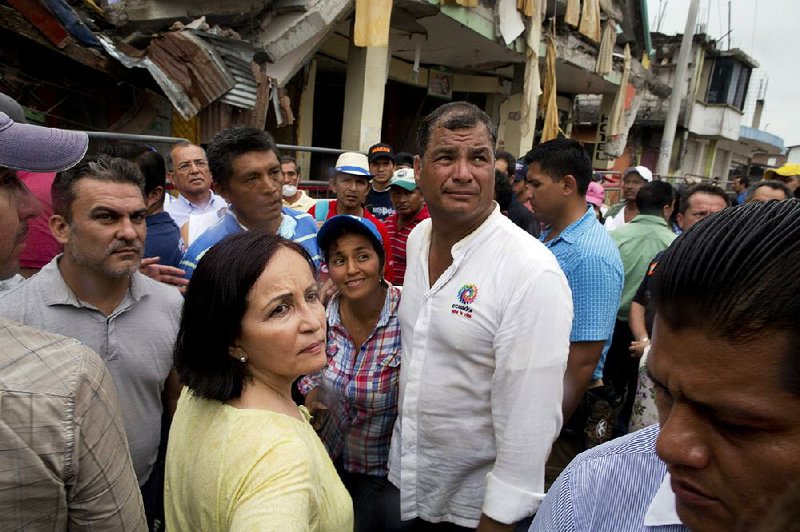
[(767, 31)]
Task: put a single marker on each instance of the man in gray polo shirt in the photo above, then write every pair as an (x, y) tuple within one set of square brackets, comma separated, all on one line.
[(64, 457), (94, 292)]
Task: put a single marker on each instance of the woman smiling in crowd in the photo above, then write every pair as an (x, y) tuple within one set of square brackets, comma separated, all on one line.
[(359, 386)]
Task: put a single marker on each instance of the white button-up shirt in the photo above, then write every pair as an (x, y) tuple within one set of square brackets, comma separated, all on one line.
[(483, 358), (180, 208)]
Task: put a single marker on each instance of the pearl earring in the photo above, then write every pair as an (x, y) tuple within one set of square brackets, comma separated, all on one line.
[(243, 360)]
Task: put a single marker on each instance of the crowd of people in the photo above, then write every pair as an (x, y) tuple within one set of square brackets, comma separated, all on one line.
[(459, 340)]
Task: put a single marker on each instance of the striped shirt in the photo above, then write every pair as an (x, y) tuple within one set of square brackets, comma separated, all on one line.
[(398, 236), (612, 487), (296, 226), (360, 390)]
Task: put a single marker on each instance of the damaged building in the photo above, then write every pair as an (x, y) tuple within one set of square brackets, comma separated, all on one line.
[(330, 73)]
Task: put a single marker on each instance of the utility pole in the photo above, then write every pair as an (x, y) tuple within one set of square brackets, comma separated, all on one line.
[(729, 25), (671, 123)]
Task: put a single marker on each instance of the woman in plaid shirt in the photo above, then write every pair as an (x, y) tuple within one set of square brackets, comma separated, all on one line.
[(355, 395)]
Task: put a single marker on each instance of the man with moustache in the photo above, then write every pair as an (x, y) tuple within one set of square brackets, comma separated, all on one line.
[(350, 184), (69, 466), (94, 292), (247, 171), (727, 378), (485, 322)]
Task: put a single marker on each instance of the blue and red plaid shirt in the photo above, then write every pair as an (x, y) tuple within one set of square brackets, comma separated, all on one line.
[(360, 390)]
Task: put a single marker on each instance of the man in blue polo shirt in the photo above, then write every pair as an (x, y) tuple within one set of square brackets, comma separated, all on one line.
[(559, 172), (247, 172)]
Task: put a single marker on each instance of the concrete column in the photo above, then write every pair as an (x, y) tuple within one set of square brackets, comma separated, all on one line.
[(305, 120), (699, 157), (364, 94), (711, 155), (517, 140), (726, 168)]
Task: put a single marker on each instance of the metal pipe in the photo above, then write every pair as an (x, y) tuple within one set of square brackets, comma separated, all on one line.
[(312, 149), (174, 140), (133, 137)]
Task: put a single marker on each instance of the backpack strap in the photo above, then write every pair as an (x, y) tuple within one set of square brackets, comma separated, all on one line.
[(321, 211)]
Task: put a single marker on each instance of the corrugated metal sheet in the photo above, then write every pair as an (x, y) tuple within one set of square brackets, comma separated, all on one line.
[(179, 98), (237, 56), (193, 65), (219, 116)]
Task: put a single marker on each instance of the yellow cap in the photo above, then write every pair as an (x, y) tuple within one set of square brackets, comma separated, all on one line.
[(787, 170)]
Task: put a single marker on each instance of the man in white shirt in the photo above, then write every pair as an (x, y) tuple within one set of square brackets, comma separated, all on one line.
[(293, 197), (623, 212), (485, 319), (189, 172)]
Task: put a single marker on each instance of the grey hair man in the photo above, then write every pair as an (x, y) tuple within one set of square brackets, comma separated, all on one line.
[(294, 197), (188, 170)]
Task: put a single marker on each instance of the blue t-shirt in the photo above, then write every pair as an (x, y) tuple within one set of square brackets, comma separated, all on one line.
[(594, 271), (296, 226), (163, 239), (379, 204)]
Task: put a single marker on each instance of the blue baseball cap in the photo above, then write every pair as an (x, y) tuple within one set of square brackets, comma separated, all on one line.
[(350, 224)]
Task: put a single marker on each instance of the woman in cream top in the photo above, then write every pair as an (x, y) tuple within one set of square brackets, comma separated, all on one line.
[(241, 454)]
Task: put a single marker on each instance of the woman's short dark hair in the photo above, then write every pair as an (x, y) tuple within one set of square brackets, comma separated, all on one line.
[(216, 301)]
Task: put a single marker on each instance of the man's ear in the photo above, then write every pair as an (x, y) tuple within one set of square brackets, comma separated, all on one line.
[(569, 184), (417, 168), (60, 228), (154, 196)]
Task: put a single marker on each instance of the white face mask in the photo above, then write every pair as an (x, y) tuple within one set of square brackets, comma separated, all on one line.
[(289, 190)]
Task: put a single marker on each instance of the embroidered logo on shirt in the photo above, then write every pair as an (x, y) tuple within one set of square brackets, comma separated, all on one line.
[(467, 295)]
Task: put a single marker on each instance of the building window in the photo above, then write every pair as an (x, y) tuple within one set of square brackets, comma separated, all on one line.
[(729, 80)]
